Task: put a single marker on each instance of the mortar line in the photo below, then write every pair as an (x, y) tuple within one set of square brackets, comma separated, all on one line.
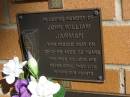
[(118, 20), (8, 26), (125, 80), (117, 66), (122, 81), (118, 10), (116, 23), (3, 61)]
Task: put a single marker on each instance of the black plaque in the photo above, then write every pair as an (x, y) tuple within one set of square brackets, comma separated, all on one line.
[(80, 94), (67, 44)]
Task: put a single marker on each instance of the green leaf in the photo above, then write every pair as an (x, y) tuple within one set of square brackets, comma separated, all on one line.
[(60, 93)]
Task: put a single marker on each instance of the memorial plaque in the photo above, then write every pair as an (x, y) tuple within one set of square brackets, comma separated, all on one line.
[(66, 44), (79, 94)]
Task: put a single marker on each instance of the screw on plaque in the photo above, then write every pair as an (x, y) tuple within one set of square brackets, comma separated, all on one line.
[(100, 78), (96, 12), (55, 4), (20, 17)]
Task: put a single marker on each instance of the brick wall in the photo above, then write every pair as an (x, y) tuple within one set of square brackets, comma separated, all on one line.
[(116, 39)]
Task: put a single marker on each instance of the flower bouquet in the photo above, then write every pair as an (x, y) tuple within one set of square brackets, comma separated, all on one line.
[(25, 80)]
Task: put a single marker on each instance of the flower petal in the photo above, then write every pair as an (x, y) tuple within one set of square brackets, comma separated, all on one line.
[(42, 80), (12, 69), (16, 61), (44, 85), (32, 78), (52, 87), (32, 87), (23, 89), (56, 87), (23, 63), (18, 72), (34, 95), (19, 84), (11, 65), (25, 94), (10, 79), (6, 70), (50, 96)]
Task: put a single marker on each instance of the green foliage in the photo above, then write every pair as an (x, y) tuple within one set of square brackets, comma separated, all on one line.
[(60, 93)]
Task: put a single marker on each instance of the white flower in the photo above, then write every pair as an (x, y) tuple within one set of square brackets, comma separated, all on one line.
[(43, 88), (13, 69)]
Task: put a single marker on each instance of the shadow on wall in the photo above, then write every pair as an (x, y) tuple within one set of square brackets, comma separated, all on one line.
[(5, 87)]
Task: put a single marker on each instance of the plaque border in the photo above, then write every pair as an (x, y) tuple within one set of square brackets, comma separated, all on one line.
[(23, 51)]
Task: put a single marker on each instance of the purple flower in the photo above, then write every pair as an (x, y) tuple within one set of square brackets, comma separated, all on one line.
[(21, 88)]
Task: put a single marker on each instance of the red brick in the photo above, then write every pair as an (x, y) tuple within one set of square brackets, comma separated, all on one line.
[(9, 45), (1, 67), (116, 44), (107, 6), (25, 8), (2, 19), (108, 12), (126, 9), (110, 85)]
